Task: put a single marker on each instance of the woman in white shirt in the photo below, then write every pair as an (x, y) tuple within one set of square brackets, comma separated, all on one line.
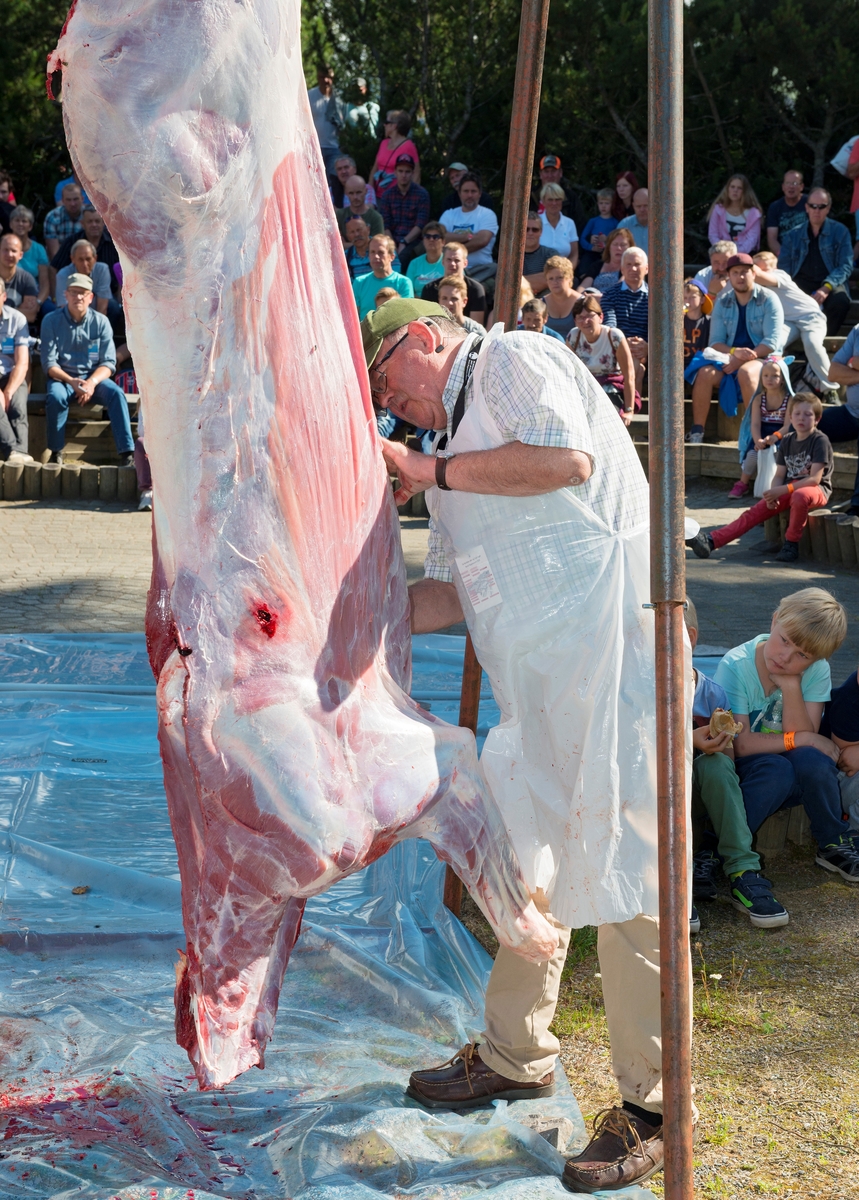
[(559, 231), (606, 354)]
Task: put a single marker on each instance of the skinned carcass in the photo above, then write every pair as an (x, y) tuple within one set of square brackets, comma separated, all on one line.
[(278, 613)]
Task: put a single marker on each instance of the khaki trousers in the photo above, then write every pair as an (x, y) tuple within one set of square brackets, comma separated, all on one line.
[(522, 996)]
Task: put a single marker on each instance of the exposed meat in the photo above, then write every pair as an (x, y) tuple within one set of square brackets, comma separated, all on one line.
[(277, 618)]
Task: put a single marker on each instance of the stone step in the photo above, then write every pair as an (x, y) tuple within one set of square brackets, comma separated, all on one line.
[(71, 481), (88, 434)]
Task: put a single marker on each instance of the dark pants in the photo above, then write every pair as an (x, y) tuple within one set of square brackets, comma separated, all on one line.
[(13, 421), (839, 425), (835, 309), (141, 466), (803, 776), (107, 394)]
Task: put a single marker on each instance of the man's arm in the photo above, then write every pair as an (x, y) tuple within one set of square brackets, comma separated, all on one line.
[(842, 373), (52, 245), (18, 374), (772, 239), (29, 306), (841, 272), (433, 605), (537, 282), (573, 256), (514, 469), (476, 241)]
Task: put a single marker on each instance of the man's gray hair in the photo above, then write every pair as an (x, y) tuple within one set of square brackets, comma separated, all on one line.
[(724, 247), (633, 252), (345, 158), (77, 245), (448, 326), (21, 210)]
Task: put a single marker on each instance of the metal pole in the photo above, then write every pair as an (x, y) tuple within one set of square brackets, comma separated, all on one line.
[(511, 253), (668, 576)]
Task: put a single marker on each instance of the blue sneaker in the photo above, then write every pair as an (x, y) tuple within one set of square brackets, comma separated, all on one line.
[(753, 895)]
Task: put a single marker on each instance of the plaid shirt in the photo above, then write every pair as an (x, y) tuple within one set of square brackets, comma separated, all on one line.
[(401, 213), (540, 394), (59, 225)]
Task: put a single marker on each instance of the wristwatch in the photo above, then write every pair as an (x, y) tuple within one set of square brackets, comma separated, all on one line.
[(441, 462)]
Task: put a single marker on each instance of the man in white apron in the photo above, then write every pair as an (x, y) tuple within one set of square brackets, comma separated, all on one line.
[(539, 538)]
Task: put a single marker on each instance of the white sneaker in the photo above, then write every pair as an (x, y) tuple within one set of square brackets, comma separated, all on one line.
[(695, 439), (18, 456), (145, 504)]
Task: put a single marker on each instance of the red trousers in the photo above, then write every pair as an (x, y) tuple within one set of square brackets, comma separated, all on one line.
[(800, 502)]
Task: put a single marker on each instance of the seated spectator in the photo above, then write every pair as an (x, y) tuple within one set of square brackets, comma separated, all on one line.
[(802, 482), (717, 801), (840, 422), (593, 238), (7, 196), (625, 187), (697, 307), (715, 277), (428, 266), (777, 685), (551, 172), (474, 226), (615, 245), (357, 206), (534, 313), (345, 168), (398, 125), (785, 214), (64, 220), (72, 178), (561, 295), (559, 232), (453, 295), (35, 258), (536, 254), (454, 260), (383, 296), (405, 209), (748, 325), (357, 247), (381, 274), (735, 215), (21, 288), (14, 365), (606, 354), (78, 358), (456, 172), (637, 223), (768, 418), (819, 256), (84, 263), (802, 316), (841, 725), (95, 232), (626, 307)]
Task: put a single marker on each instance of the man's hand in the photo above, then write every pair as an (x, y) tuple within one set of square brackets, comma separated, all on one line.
[(742, 354), (638, 346), (816, 741), (717, 284), (848, 759), (84, 389), (415, 471), (820, 295), (701, 740)]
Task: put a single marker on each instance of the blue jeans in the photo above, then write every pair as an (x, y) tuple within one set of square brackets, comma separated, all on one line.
[(107, 394), (803, 776), (840, 425)]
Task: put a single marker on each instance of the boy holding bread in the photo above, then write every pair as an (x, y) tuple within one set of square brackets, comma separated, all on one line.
[(716, 794)]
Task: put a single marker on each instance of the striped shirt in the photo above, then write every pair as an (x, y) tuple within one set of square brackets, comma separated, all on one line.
[(626, 310), (540, 394)]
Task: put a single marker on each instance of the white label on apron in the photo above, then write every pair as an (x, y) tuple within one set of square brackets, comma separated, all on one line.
[(478, 579)]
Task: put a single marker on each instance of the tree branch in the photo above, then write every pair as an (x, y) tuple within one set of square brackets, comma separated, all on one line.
[(623, 128), (720, 132)]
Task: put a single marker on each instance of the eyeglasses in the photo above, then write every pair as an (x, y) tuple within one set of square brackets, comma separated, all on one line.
[(380, 384), (816, 207)]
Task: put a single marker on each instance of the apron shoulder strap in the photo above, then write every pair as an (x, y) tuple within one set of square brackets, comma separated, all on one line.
[(459, 406)]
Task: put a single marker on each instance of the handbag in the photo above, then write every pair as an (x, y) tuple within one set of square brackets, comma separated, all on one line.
[(842, 158), (766, 470)]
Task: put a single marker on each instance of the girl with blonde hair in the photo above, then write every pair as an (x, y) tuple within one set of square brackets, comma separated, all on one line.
[(735, 216)]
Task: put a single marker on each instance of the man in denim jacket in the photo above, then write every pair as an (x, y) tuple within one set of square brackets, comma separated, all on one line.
[(819, 256)]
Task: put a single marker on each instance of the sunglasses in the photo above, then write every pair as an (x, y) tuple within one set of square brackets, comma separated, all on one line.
[(817, 207), (432, 237), (379, 384)]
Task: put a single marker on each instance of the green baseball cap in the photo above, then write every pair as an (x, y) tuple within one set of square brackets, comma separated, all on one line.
[(393, 315)]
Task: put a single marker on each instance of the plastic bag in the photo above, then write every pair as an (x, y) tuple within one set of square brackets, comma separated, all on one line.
[(842, 158), (766, 470)]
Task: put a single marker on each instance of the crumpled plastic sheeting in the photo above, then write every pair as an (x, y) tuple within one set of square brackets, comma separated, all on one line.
[(98, 1100)]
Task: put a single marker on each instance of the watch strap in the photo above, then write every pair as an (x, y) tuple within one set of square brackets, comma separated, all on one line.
[(441, 472)]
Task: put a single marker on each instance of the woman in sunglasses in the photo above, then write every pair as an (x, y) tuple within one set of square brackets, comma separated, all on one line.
[(428, 266)]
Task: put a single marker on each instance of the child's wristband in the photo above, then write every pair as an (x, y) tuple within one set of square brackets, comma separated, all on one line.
[(777, 435), (790, 488), (789, 741)]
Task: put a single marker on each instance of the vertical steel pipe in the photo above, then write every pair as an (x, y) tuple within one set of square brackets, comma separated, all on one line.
[(511, 253), (668, 575)]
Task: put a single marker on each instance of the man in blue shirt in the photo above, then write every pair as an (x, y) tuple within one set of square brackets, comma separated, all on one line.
[(637, 223), (78, 358), (625, 306)]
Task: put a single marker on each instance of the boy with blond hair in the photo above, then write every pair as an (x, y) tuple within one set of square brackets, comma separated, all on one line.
[(802, 481), (716, 795), (777, 685)]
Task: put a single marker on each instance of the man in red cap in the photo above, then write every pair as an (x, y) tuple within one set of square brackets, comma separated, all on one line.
[(405, 209), (550, 172)]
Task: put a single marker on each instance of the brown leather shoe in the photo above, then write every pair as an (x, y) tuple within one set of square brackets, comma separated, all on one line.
[(464, 1081), (623, 1150)]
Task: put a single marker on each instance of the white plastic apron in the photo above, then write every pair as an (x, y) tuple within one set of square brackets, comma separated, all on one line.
[(553, 600)]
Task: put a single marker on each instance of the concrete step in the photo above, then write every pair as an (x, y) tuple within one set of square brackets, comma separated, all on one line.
[(88, 434), (72, 481), (720, 460)]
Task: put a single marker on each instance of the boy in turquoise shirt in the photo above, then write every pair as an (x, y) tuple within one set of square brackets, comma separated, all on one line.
[(777, 685)]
